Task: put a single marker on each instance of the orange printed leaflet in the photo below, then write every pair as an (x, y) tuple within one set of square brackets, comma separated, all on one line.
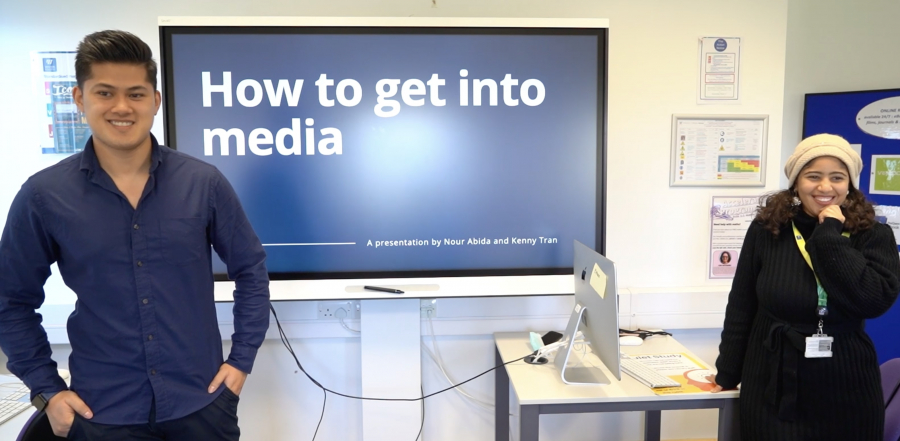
[(686, 370)]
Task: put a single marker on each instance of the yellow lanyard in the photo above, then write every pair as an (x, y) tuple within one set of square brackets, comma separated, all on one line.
[(801, 243)]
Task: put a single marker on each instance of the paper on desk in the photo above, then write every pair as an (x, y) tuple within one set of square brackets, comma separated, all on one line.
[(598, 281), (684, 369)]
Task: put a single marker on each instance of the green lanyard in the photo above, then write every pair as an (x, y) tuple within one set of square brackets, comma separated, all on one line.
[(823, 296)]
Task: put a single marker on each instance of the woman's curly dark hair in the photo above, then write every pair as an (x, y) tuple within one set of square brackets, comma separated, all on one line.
[(776, 209)]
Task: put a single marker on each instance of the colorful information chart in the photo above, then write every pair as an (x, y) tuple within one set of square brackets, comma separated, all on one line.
[(718, 150), (62, 128)]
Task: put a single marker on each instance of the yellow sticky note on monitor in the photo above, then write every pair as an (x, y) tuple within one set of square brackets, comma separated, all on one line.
[(598, 281)]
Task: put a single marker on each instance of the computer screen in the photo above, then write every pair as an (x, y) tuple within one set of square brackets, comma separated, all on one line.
[(596, 315), (409, 151)]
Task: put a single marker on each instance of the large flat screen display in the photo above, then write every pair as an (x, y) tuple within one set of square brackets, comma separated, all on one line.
[(400, 151)]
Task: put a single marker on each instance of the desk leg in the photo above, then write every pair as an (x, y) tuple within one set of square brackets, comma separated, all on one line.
[(528, 422), (729, 422), (652, 425), (501, 400)]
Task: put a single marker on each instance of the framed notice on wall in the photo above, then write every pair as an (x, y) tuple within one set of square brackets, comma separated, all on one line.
[(719, 150)]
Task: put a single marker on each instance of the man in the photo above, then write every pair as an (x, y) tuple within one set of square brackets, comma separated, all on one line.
[(130, 224)]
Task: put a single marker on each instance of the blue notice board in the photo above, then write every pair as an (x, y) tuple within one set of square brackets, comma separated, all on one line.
[(871, 119)]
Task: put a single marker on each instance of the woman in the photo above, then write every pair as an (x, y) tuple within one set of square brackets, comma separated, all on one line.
[(725, 258), (775, 306)]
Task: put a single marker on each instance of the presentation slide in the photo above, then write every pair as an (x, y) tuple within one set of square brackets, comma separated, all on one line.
[(356, 152)]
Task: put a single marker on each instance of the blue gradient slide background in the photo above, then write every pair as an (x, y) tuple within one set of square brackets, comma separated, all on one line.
[(429, 173)]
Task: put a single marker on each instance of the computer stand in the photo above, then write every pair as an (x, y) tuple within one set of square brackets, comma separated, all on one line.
[(577, 373)]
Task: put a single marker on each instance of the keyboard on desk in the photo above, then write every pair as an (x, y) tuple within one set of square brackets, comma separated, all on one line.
[(14, 403), (646, 374)]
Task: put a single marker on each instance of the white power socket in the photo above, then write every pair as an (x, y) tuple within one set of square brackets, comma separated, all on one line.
[(428, 307), (345, 309)]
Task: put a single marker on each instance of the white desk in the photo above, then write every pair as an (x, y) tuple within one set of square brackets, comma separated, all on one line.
[(540, 390)]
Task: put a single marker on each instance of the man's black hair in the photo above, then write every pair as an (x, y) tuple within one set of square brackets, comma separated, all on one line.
[(113, 47)]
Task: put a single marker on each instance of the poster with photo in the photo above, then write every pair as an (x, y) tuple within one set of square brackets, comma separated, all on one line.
[(730, 218), (63, 129)]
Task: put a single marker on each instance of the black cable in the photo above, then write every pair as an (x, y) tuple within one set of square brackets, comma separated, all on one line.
[(287, 344), (422, 388), (325, 390), (324, 401), (641, 333)]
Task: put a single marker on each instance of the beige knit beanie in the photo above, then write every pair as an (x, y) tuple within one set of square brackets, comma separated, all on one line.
[(823, 145)]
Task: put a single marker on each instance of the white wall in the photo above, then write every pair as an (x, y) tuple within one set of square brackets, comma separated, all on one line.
[(657, 235), (837, 46)]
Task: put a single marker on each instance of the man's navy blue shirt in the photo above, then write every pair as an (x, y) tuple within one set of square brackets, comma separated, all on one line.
[(144, 325)]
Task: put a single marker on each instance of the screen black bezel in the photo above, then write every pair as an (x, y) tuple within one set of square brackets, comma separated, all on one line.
[(167, 73)]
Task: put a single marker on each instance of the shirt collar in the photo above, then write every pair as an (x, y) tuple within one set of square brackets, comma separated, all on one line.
[(90, 163)]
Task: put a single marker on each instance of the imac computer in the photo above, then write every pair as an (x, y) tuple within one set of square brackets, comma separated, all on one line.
[(596, 315)]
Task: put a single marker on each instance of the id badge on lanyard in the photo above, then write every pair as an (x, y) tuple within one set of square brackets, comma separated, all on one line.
[(819, 344)]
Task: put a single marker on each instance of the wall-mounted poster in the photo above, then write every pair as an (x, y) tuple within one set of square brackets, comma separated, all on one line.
[(719, 150), (729, 218), (720, 71), (885, 175), (62, 128), (890, 216)]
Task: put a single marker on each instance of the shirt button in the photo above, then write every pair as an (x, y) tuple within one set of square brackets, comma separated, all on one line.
[(152, 371), (150, 337), (139, 263), (145, 301), (136, 227)]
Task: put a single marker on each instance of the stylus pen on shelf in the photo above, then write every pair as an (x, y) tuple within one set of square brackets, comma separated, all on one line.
[(382, 289)]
